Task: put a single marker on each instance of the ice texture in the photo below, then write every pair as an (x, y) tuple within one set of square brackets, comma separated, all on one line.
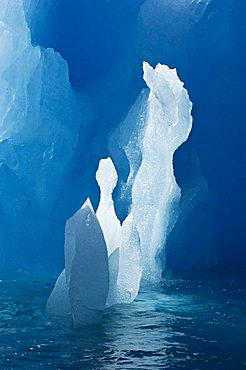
[(160, 123), (106, 177), (205, 41), (47, 170), (86, 264), (113, 264), (39, 121), (121, 255), (123, 245), (130, 263), (82, 287)]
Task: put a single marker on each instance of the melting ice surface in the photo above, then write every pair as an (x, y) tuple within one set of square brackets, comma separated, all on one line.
[(155, 193), (132, 248), (162, 122)]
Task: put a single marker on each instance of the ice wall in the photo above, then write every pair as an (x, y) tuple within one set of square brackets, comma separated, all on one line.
[(39, 121)]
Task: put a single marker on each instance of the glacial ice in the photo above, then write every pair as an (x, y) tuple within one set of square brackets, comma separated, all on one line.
[(113, 264), (164, 125), (106, 177), (158, 123), (47, 170), (58, 303), (130, 263), (122, 241), (86, 262), (39, 121), (85, 280)]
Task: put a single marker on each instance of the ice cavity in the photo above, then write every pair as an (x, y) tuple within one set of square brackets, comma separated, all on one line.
[(82, 288), (155, 195)]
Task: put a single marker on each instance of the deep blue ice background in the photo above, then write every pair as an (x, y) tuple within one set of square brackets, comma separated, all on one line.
[(107, 41), (193, 322)]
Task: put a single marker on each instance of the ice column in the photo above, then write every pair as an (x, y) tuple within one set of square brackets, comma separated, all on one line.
[(155, 193), (122, 241), (165, 125), (107, 177)]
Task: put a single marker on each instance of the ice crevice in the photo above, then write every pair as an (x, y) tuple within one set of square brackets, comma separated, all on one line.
[(122, 256)]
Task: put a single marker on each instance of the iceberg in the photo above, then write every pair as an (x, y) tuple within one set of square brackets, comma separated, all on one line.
[(124, 255), (52, 138), (82, 288), (97, 274)]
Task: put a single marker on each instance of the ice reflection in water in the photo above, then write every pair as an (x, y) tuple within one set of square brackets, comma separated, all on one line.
[(183, 324)]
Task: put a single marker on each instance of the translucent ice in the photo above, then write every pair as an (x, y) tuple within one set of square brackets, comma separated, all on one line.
[(122, 241), (155, 193), (58, 303), (39, 121), (113, 264), (130, 263), (106, 177), (164, 122), (82, 288)]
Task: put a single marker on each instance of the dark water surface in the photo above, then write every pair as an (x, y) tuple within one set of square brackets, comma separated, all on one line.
[(183, 324)]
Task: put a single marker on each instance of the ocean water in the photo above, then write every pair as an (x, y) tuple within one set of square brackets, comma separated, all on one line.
[(182, 324)]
